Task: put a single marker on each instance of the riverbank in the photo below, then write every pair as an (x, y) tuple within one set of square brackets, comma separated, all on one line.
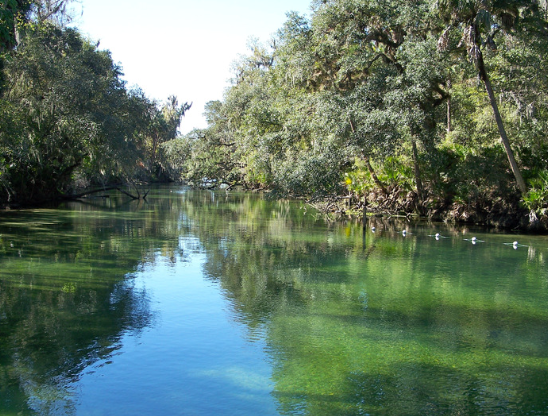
[(499, 214)]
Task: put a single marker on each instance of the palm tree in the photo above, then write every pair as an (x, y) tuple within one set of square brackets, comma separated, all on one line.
[(474, 18)]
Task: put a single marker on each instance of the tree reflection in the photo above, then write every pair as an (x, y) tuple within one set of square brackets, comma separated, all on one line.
[(384, 324), (67, 297), (387, 325)]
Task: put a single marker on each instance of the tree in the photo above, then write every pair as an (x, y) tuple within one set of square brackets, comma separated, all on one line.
[(12, 14), (62, 111), (208, 156), (163, 126), (357, 50), (53, 11), (16, 14), (480, 22), (363, 84)]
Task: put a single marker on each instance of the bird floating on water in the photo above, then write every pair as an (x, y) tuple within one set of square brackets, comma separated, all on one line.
[(515, 245), (473, 240), (437, 236)]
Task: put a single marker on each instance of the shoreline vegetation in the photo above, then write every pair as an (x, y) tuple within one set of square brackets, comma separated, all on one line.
[(396, 204), (354, 107)]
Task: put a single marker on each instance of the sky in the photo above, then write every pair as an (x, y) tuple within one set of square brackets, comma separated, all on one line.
[(181, 47)]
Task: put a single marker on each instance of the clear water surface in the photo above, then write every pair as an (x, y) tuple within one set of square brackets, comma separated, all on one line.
[(202, 303)]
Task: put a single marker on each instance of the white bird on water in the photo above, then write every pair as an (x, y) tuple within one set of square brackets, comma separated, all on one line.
[(437, 236), (473, 240), (515, 245)]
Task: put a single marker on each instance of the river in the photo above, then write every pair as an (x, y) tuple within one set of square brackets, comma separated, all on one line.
[(202, 303)]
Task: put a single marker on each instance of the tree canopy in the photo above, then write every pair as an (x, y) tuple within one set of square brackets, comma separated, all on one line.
[(431, 106), (403, 103), (67, 119)]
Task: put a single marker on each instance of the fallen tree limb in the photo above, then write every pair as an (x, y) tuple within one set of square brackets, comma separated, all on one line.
[(104, 189), (86, 193), (128, 194)]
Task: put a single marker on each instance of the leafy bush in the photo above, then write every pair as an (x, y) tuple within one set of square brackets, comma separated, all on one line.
[(536, 198)]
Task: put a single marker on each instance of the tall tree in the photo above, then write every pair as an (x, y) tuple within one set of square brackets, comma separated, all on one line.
[(359, 46), (480, 22), (12, 14), (61, 110), (15, 14)]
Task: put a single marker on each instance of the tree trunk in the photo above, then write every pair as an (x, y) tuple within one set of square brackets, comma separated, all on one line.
[(418, 180), (374, 175), (503, 137), (449, 85)]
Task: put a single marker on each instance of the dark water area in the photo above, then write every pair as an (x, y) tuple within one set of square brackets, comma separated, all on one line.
[(198, 303)]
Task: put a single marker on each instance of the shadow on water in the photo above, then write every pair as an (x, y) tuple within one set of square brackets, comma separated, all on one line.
[(424, 390)]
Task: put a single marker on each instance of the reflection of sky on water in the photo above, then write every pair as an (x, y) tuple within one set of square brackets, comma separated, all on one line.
[(229, 304), (193, 360)]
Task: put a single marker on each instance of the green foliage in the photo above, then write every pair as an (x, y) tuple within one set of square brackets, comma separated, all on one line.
[(206, 156), (395, 170), (175, 154), (467, 176), (363, 79), (161, 127), (385, 82), (60, 98), (358, 180), (388, 82), (67, 119), (315, 174), (12, 13), (536, 198)]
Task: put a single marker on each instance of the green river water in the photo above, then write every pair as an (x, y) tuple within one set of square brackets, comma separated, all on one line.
[(202, 303)]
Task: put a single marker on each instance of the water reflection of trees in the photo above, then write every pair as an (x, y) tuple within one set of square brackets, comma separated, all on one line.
[(67, 295), (375, 325), (354, 325)]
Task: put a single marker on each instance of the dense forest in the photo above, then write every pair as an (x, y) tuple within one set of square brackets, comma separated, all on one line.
[(67, 120), (428, 107)]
